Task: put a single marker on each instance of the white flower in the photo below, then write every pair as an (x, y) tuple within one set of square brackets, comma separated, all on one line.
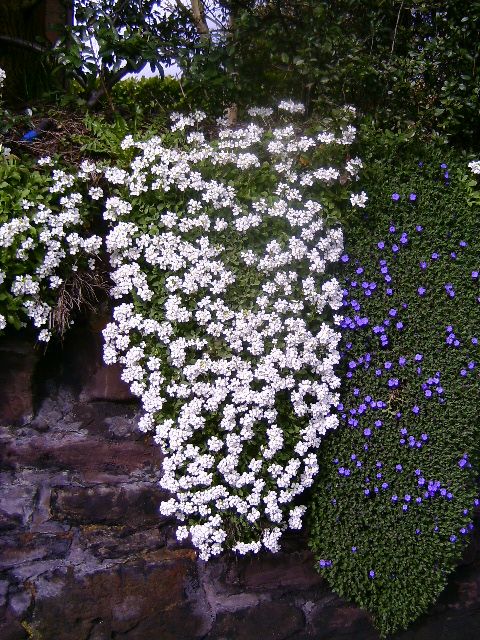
[(359, 199), (291, 106), (474, 166), (262, 112)]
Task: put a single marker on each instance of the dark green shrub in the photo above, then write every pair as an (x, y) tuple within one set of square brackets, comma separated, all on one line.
[(393, 504), (148, 96)]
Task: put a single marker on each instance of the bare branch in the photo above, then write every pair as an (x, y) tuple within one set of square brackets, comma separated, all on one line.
[(24, 44), (396, 28), (198, 14)]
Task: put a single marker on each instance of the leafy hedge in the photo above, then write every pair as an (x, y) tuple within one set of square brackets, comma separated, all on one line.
[(393, 503)]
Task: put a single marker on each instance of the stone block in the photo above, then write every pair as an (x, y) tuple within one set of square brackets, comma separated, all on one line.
[(268, 621), (130, 504), (148, 599), (17, 364)]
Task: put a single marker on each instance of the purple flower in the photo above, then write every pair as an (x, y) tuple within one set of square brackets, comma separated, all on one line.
[(371, 573), (416, 410), (402, 361), (395, 197), (367, 432), (395, 248), (354, 549), (398, 467), (412, 197), (474, 275), (434, 256), (392, 228), (381, 244), (419, 228), (423, 265), (418, 357), (421, 291), (443, 166)]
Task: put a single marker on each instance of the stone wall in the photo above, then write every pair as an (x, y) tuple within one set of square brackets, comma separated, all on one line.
[(85, 555)]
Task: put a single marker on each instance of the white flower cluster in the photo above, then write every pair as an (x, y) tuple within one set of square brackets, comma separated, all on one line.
[(474, 166), (3, 76), (359, 200), (260, 112), (222, 325), (48, 243), (291, 107)]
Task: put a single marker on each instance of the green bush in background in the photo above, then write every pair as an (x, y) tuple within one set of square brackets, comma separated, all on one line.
[(149, 96)]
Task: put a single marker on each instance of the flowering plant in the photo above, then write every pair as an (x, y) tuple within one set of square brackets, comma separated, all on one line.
[(394, 503), (45, 243), (220, 255)]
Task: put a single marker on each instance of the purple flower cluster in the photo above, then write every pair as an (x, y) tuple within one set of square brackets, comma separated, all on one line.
[(432, 386), (450, 290), (451, 338)]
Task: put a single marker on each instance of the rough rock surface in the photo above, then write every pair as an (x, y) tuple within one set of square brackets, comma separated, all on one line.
[(85, 555)]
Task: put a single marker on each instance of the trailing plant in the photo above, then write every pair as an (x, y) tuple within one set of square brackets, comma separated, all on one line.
[(46, 244), (393, 503), (220, 256)]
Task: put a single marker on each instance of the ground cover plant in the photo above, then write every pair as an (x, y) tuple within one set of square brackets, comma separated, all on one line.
[(393, 504)]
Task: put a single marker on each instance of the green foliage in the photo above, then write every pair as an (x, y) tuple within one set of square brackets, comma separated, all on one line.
[(356, 527), (407, 67), (104, 136), (110, 40), (148, 97)]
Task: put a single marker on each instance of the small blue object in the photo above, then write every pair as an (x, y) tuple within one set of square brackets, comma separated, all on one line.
[(30, 135)]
